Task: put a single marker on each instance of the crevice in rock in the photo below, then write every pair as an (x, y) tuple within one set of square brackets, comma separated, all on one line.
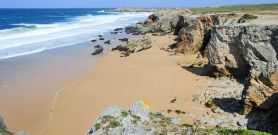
[(265, 119), (179, 25), (206, 40)]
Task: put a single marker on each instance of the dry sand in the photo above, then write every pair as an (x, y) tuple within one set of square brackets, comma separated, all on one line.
[(151, 75)]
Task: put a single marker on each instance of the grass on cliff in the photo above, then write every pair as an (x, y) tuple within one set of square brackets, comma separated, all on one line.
[(4, 132), (236, 8), (225, 131)]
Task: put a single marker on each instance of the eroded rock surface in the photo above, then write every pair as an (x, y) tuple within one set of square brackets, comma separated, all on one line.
[(134, 46), (139, 120), (248, 51)]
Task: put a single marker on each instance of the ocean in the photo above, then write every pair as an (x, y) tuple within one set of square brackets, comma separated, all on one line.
[(27, 31)]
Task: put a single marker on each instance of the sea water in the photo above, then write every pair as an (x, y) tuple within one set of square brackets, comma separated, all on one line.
[(27, 31)]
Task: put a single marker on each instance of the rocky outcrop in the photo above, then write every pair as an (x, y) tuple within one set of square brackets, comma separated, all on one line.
[(97, 50), (139, 120), (3, 123), (248, 51), (134, 46), (162, 22), (193, 30), (4, 129)]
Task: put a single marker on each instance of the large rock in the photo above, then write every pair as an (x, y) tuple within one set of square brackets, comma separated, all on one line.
[(251, 51), (195, 34), (138, 120), (161, 22), (2, 123), (97, 50), (134, 46), (115, 121), (192, 29)]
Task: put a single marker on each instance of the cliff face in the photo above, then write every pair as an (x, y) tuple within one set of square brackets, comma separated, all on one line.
[(250, 51), (235, 48)]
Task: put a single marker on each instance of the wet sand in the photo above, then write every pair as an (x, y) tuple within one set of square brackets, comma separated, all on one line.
[(151, 75), (28, 84)]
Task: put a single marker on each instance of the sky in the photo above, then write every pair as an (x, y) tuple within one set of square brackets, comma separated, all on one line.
[(122, 3)]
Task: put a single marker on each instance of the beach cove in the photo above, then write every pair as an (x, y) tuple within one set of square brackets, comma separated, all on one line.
[(178, 71)]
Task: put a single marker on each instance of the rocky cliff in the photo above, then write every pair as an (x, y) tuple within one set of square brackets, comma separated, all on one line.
[(248, 51), (234, 48), (139, 120)]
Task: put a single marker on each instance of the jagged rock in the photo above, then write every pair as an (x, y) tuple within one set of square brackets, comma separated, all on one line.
[(97, 50), (114, 32), (115, 121), (134, 46), (2, 123), (141, 109), (248, 51), (137, 121), (107, 42), (193, 30), (123, 39), (118, 29), (112, 111), (160, 22)]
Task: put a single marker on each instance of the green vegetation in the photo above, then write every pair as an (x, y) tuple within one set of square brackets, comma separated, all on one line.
[(236, 8), (249, 17), (4, 132), (97, 126), (124, 114), (209, 104), (237, 132), (112, 123), (135, 119)]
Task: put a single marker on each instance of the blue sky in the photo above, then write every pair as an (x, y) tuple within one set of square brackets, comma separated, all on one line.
[(122, 3)]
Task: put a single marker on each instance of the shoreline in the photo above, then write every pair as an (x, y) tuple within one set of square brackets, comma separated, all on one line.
[(186, 69), (118, 80), (34, 79)]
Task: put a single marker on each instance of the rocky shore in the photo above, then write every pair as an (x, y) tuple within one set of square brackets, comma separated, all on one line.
[(211, 73), (241, 62)]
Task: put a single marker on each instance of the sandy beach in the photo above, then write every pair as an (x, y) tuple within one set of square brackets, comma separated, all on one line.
[(150, 75), (179, 71)]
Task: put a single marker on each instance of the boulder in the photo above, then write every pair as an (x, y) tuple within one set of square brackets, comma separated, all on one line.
[(3, 123), (134, 46), (141, 109), (123, 39), (107, 42), (94, 40), (101, 38), (247, 51), (138, 120), (118, 29), (97, 50)]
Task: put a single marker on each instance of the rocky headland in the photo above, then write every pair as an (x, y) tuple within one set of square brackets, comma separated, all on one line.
[(239, 57)]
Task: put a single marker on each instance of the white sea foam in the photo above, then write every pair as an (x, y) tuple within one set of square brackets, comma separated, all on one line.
[(33, 38)]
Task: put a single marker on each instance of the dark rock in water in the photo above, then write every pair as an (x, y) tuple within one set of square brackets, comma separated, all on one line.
[(114, 32), (100, 35), (97, 50), (94, 40), (101, 38), (107, 42), (123, 39), (118, 29)]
